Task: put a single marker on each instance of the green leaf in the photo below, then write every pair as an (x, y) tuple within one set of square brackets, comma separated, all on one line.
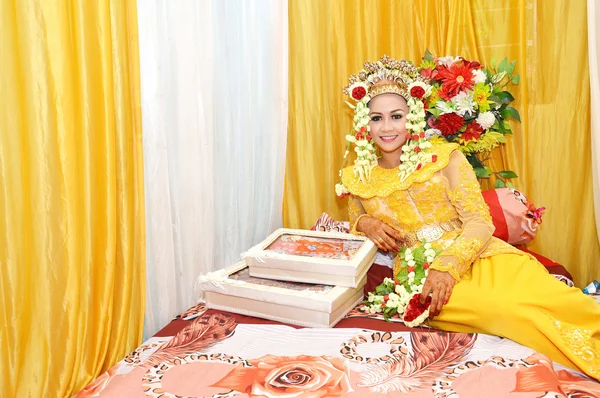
[(511, 68), (474, 161), (488, 169), (509, 184), (501, 128), (435, 112), (505, 97), (499, 184), (428, 56), (510, 112), (480, 172), (516, 79), (419, 255), (508, 174), (503, 66)]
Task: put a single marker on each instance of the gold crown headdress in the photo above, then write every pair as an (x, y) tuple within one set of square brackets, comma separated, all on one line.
[(387, 75)]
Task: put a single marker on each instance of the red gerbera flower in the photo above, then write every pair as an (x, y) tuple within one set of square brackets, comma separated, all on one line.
[(456, 78), (473, 132), (449, 123)]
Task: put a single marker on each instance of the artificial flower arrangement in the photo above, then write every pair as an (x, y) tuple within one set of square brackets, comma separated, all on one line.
[(469, 104), (400, 297)]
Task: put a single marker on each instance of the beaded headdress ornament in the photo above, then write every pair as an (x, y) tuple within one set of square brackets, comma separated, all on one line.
[(387, 75)]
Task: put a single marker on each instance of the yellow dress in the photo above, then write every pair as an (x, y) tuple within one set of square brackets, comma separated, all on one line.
[(501, 290)]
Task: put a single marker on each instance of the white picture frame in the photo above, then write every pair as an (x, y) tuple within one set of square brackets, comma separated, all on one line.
[(347, 271)]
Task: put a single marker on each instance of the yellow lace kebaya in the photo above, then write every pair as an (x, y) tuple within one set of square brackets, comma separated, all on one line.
[(501, 290)]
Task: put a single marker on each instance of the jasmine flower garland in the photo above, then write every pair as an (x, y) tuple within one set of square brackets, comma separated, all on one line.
[(400, 297)]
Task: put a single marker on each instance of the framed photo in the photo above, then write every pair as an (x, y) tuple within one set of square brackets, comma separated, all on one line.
[(330, 258)]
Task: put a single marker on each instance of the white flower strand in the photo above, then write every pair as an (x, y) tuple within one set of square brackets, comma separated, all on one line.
[(400, 297)]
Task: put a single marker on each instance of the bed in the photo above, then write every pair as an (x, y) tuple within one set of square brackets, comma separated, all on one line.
[(208, 353)]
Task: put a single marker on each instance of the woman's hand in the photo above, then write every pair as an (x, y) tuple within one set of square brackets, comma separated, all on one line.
[(439, 284), (385, 237)]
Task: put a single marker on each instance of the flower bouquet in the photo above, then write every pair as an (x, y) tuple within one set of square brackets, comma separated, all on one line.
[(400, 297), (469, 104)]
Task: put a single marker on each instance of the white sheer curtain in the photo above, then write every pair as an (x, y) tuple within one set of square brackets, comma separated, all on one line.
[(594, 60), (214, 106)]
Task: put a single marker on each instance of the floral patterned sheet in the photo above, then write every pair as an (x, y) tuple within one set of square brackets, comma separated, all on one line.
[(213, 356)]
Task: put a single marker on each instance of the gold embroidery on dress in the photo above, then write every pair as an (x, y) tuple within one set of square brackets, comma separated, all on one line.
[(385, 181), (582, 344), (468, 194), (463, 251), (431, 200)]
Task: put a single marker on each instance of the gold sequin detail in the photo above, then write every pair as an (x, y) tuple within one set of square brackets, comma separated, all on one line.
[(385, 181), (583, 345), (468, 193)]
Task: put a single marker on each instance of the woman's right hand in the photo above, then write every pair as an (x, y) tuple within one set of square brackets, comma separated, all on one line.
[(385, 237)]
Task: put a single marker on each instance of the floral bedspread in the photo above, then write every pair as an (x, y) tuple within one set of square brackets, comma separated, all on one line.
[(215, 356)]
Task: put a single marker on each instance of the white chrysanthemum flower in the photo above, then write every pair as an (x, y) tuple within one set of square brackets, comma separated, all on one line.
[(429, 134), (411, 263), (427, 245), (448, 60), (411, 274), (486, 120), (463, 102), (478, 76), (393, 297)]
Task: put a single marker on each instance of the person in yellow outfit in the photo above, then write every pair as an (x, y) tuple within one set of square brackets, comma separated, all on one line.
[(405, 189)]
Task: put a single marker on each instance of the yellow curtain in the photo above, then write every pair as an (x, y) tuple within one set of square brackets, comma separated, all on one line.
[(330, 39), (72, 234)]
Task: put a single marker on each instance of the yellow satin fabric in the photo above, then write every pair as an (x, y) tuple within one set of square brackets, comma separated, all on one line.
[(329, 40), (72, 233), (529, 306)]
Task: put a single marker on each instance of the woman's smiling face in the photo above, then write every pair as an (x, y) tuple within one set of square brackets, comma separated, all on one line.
[(388, 123)]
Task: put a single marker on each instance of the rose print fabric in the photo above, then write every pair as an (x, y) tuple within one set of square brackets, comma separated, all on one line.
[(215, 356)]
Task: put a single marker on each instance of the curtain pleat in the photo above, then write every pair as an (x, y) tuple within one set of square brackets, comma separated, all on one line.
[(214, 94), (72, 232)]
